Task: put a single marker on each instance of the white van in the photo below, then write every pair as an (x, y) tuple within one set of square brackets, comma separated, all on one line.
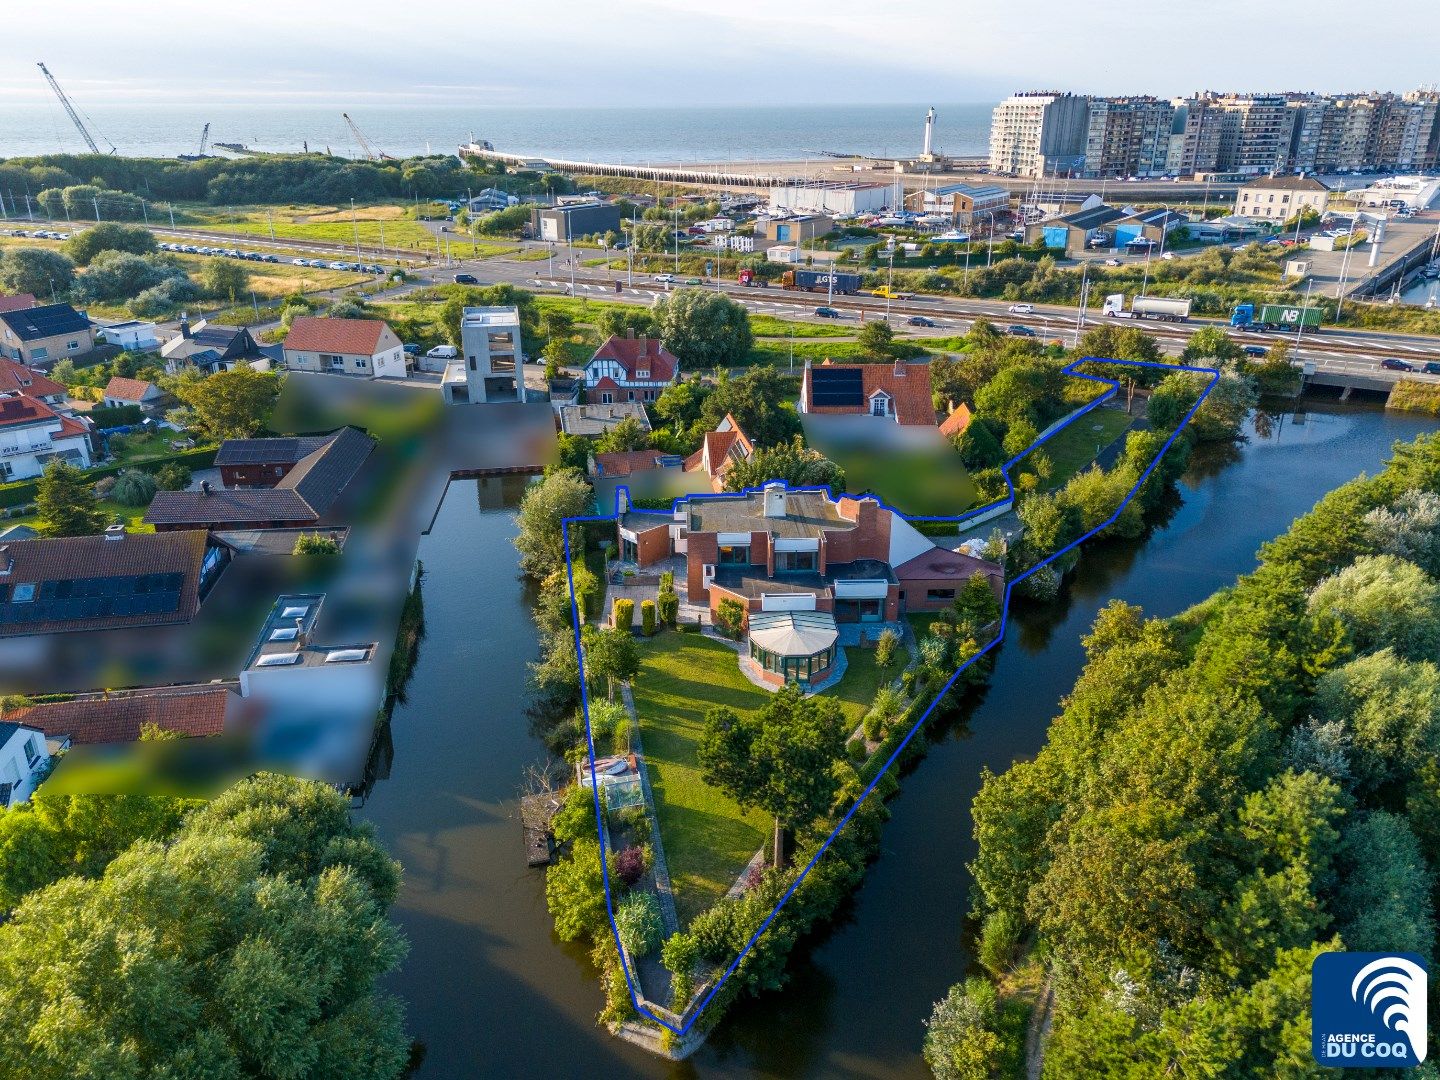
[(443, 352)]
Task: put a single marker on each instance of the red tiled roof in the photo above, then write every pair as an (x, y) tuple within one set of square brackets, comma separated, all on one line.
[(122, 389), (721, 448), (640, 354), (19, 409), (21, 379), (625, 462), (191, 711), (939, 563), (17, 302), (907, 384), (606, 383), (956, 422), (359, 337)]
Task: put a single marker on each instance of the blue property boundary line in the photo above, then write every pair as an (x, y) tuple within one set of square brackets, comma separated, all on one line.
[(1070, 369)]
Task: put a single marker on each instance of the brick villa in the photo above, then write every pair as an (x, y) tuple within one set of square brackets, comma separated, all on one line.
[(799, 563), (629, 369)]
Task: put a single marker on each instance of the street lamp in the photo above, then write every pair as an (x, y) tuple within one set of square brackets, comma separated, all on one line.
[(1300, 326)]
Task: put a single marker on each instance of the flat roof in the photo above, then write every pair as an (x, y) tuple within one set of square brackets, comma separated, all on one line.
[(491, 316), (284, 640), (807, 514)]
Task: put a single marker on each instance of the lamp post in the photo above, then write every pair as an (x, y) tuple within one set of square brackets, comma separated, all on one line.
[(1080, 309), (1300, 325), (889, 282)]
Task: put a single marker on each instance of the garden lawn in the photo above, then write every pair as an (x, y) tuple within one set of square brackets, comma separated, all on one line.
[(708, 839), (1072, 448), (861, 681), (770, 326)]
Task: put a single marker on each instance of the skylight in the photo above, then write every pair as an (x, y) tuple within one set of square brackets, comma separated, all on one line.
[(295, 612), (346, 656), (284, 633), (278, 660)]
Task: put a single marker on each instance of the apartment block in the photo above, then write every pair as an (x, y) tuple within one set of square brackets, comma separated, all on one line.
[(1039, 133)]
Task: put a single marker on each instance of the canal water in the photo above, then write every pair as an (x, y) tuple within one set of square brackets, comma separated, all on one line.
[(491, 993)]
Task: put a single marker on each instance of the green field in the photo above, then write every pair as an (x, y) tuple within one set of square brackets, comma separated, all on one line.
[(771, 326), (708, 839), (1073, 448), (380, 225)]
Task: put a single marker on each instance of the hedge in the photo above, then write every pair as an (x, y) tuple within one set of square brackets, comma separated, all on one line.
[(647, 617), (116, 415), (23, 492), (623, 614)]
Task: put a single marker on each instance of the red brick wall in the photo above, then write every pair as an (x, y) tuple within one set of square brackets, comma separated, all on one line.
[(701, 548), (870, 539)]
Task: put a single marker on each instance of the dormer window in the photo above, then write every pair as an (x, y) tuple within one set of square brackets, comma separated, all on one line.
[(642, 373)]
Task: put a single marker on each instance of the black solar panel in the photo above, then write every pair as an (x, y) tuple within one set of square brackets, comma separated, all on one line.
[(841, 388), (97, 598)]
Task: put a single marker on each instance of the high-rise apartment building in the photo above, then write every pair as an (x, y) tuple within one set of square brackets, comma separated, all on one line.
[(1039, 134), (1128, 136)]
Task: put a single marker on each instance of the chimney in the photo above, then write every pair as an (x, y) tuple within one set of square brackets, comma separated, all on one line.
[(115, 532), (204, 487), (184, 324), (7, 561), (630, 332), (775, 499), (644, 344), (301, 638), (899, 369)]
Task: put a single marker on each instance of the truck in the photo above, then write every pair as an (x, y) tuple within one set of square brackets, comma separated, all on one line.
[(1274, 317), (1167, 308), (821, 281)]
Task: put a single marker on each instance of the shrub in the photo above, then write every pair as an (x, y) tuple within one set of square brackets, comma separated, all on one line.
[(874, 726), (638, 921), (176, 476), (885, 648), (647, 617), (730, 617), (312, 543), (623, 614), (856, 749), (134, 488), (998, 939), (667, 581), (669, 608), (606, 718), (104, 485), (630, 865), (116, 416)]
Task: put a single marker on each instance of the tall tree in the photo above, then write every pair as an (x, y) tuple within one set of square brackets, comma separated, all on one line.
[(230, 404), (779, 759), (705, 329), (543, 508), (65, 502), (249, 945), (39, 271), (791, 462), (610, 654)]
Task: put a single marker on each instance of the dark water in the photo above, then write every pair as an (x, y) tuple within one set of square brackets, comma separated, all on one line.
[(492, 994)]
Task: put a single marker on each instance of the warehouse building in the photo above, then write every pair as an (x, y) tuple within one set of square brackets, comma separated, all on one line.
[(793, 230), (960, 202), (564, 223), (835, 200), (1073, 232)]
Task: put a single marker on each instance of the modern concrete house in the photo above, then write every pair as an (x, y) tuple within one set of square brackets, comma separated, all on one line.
[(491, 364), (364, 347)]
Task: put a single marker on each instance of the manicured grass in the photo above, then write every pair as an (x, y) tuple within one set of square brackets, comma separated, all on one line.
[(920, 622), (863, 678), (708, 839), (770, 326), (1073, 448), (113, 511)]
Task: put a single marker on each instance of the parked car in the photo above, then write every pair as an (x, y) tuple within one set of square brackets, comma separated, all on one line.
[(665, 279), (1019, 331), (1431, 368), (1021, 309), (827, 313), (1391, 363), (1255, 350), (466, 279), (919, 320), (443, 352), (1112, 262), (1168, 255)]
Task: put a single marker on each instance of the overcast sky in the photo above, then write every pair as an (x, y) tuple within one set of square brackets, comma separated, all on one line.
[(678, 52)]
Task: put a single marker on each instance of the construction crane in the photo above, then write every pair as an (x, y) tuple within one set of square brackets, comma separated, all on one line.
[(204, 142), (70, 111), (371, 154)]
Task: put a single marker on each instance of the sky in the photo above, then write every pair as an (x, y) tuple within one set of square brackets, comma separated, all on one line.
[(689, 52)]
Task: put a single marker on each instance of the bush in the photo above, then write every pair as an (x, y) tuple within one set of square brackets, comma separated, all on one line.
[(856, 749), (175, 476), (885, 648), (104, 485), (667, 581), (638, 921), (312, 543), (630, 865), (874, 726), (134, 488), (669, 608), (116, 416), (730, 617), (647, 617), (623, 614), (998, 938)]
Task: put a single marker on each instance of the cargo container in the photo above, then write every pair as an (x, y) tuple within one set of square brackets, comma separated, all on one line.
[(820, 281), (1274, 317), (1167, 308)]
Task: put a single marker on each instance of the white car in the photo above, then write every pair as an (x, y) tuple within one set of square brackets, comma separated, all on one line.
[(665, 279), (1021, 309), (1168, 255)]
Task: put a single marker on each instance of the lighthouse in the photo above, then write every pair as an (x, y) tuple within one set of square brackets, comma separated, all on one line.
[(929, 133)]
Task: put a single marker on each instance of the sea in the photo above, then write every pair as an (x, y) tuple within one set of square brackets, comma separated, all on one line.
[(661, 134)]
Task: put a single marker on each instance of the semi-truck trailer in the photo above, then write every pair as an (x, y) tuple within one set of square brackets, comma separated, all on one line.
[(1166, 308), (1274, 317), (820, 281)]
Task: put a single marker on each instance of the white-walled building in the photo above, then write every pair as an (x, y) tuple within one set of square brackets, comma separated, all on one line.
[(834, 200), (32, 434), (365, 347), (132, 334), (1276, 198), (24, 762)]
